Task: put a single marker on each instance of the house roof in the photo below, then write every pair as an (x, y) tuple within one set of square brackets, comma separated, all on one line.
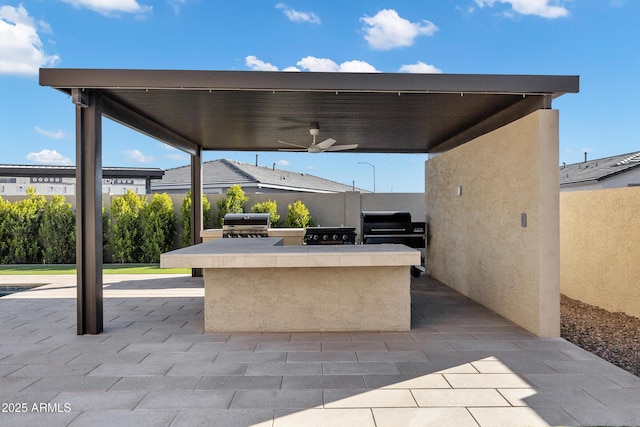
[(598, 169), (70, 171), (223, 173), (253, 110)]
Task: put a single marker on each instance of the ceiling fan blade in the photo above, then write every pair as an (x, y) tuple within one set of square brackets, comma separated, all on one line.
[(297, 150), (342, 147), (326, 143), (294, 145)]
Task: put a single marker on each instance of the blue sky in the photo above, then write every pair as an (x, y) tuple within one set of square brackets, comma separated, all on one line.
[(590, 38)]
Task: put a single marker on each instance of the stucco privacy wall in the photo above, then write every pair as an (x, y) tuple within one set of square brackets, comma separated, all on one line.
[(600, 248), (478, 243), (329, 209), (332, 209)]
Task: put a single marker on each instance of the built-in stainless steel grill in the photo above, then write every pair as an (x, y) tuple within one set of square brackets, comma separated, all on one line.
[(330, 236), (245, 225), (394, 227)]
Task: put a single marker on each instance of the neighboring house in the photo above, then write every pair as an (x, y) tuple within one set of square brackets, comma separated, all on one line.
[(61, 180), (219, 175), (610, 172)]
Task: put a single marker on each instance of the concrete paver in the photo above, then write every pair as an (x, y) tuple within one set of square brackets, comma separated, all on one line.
[(461, 365)]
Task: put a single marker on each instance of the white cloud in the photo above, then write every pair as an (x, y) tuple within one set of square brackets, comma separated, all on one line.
[(176, 156), (311, 63), (21, 50), (108, 7), (48, 157), (53, 134), (177, 4), (356, 66), (283, 163), (387, 30), (137, 156), (420, 68), (580, 151), (257, 65), (297, 16), (544, 8), (173, 153)]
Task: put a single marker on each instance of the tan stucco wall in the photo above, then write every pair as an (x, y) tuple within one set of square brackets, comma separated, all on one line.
[(478, 245), (331, 210), (307, 299), (600, 248)]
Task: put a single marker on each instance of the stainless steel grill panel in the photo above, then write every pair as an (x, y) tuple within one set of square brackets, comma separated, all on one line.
[(245, 225)]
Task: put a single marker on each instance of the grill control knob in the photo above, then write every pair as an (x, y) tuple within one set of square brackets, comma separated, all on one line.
[(335, 237), (325, 237), (315, 237), (345, 237)]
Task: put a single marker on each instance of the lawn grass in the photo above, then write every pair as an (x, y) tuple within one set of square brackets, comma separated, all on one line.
[(44, 269)]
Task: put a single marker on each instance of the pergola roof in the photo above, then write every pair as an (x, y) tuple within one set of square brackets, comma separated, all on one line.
[(252, 110)]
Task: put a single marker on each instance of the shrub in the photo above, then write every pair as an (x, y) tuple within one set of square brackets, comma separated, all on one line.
[(298, 216), (5, 231), (106, 236), (185, 217), (57, 232), (126, 230), (269, 207), (25, 220), (233, 202), (158, 227)]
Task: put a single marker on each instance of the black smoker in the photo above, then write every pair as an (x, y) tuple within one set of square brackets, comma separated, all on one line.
[(245, 225), (394, 227)]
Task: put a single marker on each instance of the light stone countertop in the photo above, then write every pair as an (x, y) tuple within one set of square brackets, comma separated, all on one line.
[(270, 252)]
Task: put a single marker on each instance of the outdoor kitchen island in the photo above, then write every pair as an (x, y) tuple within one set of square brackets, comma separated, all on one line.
[(260, 285)]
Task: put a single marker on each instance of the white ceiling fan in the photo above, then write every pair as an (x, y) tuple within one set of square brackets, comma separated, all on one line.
[(326, 145)]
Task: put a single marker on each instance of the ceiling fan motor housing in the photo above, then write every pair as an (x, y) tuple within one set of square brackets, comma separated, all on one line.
[(314, 129)]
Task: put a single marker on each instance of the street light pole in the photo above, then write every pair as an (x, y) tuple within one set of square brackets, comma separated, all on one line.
[(374, 173)]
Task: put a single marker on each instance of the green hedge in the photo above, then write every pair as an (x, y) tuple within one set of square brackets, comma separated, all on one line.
[(185, 218), (24, 222), (134, 229), (37, 231), (58, 232)]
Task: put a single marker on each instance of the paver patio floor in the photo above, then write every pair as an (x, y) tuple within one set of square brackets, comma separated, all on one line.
[(461, 365)]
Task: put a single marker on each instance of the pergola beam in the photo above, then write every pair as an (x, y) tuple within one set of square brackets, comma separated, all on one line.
[(494, 121), (141, 123), (308, 81)]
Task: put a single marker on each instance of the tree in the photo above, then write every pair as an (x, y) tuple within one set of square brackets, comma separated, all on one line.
[(158, 227), (269, 207), (126, 230), (106, 236), (5, 231), (185, 217), (298, 216), (57, 232), (233, 202), (26, 218)]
